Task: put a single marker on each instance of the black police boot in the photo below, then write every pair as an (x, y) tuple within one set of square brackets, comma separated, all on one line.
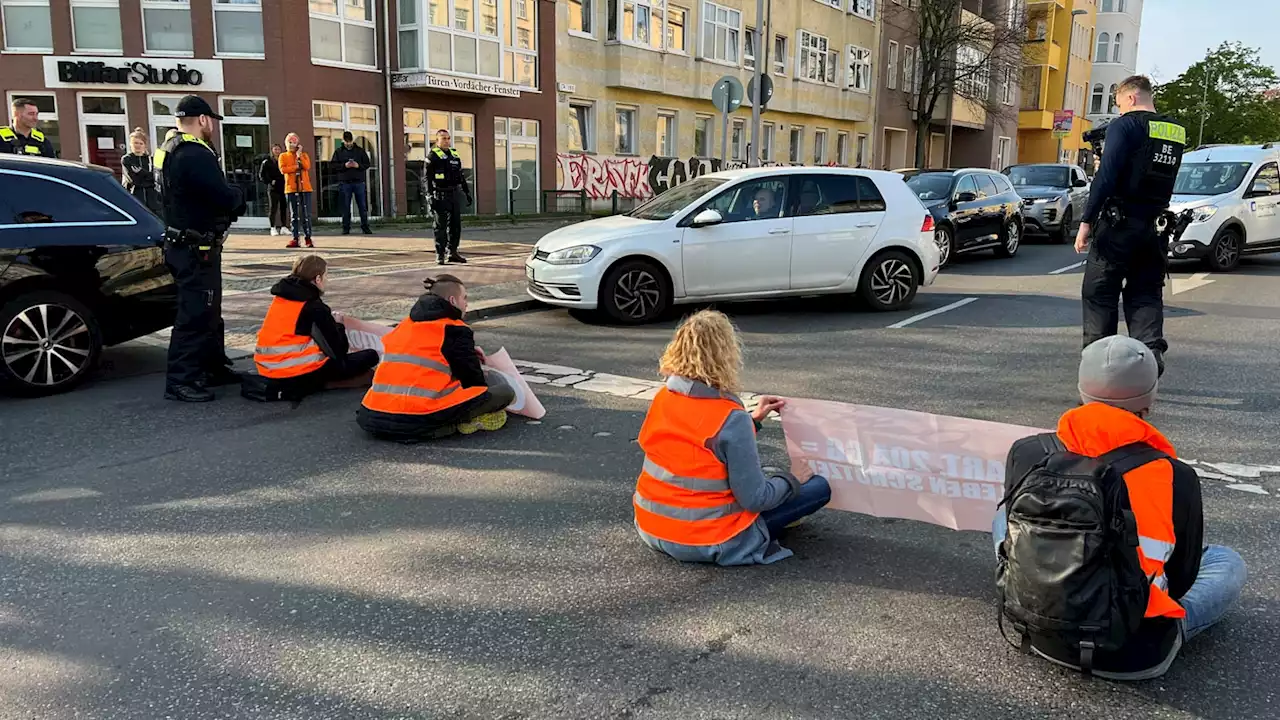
[(454, 257), (221, 376), (187, 393), (1159, 363), (440, 259)]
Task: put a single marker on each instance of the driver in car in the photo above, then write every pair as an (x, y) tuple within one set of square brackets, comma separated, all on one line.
[(764, 205)]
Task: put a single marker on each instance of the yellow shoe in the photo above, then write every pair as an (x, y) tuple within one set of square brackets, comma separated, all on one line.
[(490, 421)]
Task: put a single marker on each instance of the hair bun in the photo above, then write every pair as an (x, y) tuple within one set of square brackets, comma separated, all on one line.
[(428, 283)]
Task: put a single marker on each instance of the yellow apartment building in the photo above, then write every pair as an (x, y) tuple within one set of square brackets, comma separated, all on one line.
[(634, 83), (1060, 37)]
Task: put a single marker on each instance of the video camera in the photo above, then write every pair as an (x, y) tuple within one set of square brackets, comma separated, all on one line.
[(1095, 136)]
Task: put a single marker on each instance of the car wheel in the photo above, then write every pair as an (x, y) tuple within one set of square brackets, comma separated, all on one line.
[(946, 242), (635, 292), (1010, 239), (1224, 254), (889, 281), (1064, 231), (49, 343)]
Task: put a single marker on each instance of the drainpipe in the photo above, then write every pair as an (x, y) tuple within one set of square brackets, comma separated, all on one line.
[(391, 142)]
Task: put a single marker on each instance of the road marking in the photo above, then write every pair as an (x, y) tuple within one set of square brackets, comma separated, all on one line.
[(1070, 267), (926, 315), (1195, 281)]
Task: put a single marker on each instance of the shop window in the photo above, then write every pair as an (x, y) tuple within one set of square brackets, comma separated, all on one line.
[(47, 104), (330, 120)]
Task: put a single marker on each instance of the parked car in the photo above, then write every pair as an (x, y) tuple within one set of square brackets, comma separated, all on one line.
[(1055, 195), (744, 234), (81, 267), (1233, 192), (973, 209)]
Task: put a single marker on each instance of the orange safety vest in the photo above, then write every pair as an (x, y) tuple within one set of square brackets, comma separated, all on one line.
[(414, 377), (281, 352), (683, 494)]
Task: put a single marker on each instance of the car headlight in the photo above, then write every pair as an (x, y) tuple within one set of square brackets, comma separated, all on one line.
[(575, 255), (1199, 215)]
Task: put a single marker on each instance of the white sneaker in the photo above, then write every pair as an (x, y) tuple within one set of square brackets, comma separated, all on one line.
[(274, 232)]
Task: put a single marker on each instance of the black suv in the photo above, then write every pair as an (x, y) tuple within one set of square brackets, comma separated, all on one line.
[(81, 267), (973, 209)]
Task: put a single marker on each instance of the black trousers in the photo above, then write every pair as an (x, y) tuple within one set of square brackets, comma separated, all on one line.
[(196, 345), (416, 428), (1126, 261), (448, 224), (277, 208), (352, 365)]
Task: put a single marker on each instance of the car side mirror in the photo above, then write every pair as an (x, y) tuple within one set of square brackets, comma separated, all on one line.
[(965, 197), (1079, 183), (707, 217)]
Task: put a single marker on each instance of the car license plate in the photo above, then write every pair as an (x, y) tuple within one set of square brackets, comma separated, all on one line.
[(528, 271)]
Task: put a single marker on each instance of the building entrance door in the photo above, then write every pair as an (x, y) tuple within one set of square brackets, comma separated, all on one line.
[(516, 166)]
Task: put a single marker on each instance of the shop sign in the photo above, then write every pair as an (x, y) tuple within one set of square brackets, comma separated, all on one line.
[(430, 81), (125, 73)]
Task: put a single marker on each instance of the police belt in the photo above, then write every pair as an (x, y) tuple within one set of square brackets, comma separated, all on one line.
[(446, 192), (191, 238)]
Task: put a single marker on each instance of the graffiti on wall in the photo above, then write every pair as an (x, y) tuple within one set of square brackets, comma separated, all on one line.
[(630, 177)]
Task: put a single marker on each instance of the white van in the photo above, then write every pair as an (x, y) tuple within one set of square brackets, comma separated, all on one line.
[(1234, 191)]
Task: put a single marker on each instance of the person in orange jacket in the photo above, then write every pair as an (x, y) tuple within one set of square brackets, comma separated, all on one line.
[(295, 164)]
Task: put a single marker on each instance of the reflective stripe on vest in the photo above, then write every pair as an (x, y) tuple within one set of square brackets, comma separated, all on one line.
[(682, 495), (414, 377), (1151, 497), (8, 134), (281, 352)]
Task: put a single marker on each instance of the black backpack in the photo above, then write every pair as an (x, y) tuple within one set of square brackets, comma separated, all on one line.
[(1069, 572)]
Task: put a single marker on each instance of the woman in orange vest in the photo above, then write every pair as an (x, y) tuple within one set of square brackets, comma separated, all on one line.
[(702, 495), (295, 165), (431, 382), (302, 346)]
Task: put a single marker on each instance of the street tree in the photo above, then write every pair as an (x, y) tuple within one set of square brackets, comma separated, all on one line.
[(959, 54), (1228, 91)]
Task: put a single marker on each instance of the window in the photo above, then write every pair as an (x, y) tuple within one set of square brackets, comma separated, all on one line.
[(95, 26), (582, 127), (736, 141), (779, 55), (1104, 42), (677, 20), (463, 37), (864, 8), (749, 49), (763, 199), (967, 185), (861, 156), (1120, 6), (720, 28), (766, 142), (986, 186), (638, 23), (1116, 45), (893, 66), (162, 111), (797, 138), (166, 26), (833, 3), (1007, 85), (667, 134), (27, 24), (858, 75), (580, 16), (972, 65), (838, 194), (409, 37), (104, 129), (625, 129), (47, 104), (419, 125), (1095, 101), (842, 148), (816, 62), (343, 31), (819, 147), (1270, 175), (1111, 101), (1002, 152), (908, 68), (237, 27), (42, 199), (702, 136), (1108, 6), (329, 120)]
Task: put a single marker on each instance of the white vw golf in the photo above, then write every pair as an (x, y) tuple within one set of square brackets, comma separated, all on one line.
[(744, 234)]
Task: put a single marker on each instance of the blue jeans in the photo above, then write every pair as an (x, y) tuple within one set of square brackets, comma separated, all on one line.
[(345, 192), (813, 496), (300, 208), (1217, 586)]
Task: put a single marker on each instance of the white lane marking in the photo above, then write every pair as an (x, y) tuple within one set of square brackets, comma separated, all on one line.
[(1068, 268), (938, 311), (1195, 281), (1249, 488)]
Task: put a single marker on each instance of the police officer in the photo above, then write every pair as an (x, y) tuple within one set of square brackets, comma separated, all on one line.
[(1130, 193), (198, 208), (21, 136), (444, 180)]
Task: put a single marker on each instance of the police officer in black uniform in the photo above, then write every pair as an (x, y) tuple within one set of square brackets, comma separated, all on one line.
[(21, 136), (198, 209), (444, 180), (1130, 194)]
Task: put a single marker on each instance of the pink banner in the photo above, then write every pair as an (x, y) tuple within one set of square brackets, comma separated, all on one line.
[(884, 462)]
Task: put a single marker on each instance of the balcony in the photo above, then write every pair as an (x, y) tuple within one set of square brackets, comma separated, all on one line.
[(1045, 3), (637, 68), (1035, 120)]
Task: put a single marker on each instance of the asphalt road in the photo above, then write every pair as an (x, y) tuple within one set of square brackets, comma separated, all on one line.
[(238, 560)]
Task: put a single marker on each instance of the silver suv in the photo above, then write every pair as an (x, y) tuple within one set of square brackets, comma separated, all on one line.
[(1055, 196)]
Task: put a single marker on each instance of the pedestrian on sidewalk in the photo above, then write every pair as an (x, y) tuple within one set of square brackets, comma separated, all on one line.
[(445, 182), (354, 164), (295, 165), (138, 176), (277, 207), (702, 495)]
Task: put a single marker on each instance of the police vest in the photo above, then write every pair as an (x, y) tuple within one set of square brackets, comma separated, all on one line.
[(281, 352), (171, 142), (1156, 163), (414, 377), (451, 154), (32, 146), (683, 494)]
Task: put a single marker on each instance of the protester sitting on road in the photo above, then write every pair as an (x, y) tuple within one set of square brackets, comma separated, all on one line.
[(431, 382), (702, 495), (1100, 535), (302, 346)]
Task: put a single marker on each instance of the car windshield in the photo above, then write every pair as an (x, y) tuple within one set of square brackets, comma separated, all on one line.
[(676, 199), (1210, 178), (1045, 175), (930, 186)]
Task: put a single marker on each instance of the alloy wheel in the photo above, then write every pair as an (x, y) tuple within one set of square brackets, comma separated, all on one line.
[(46, 345), (1227, 250), (891, 282), (1012, 237), (942, 238), (637, 294)]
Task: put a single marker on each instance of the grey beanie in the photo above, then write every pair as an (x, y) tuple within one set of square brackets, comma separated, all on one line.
[(1119, 371)]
